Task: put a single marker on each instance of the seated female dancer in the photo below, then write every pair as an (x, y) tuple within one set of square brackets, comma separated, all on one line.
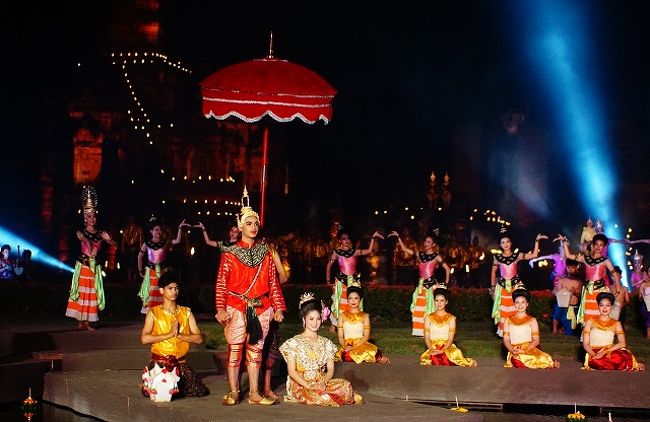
[(439, 330), (310, 363), (521, 337), (346, 258), (598, 340), (354, 332)]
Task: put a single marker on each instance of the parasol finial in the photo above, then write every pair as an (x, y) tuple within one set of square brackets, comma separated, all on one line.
[(271, 45)]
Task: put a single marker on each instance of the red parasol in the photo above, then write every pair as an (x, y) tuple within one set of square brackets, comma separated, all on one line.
[(267, 87)]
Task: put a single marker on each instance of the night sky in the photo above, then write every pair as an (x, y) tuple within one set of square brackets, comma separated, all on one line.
[(407, 74)]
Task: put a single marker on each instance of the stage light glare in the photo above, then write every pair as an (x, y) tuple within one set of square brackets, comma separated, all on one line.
[(566, 62), (38, 254)]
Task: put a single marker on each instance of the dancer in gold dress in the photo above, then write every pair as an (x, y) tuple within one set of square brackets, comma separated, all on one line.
[(354, 332), (521, 337), (310, 363), (439, 331)]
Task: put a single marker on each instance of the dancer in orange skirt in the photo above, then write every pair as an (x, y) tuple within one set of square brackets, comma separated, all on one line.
[(506, 263), (428, 261), (156, 249), (86, 297), (596, 266)]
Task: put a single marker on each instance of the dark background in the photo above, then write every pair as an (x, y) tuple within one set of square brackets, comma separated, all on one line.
[(407, 73)]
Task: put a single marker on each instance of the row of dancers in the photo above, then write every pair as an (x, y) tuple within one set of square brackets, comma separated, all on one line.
[(249, 300)]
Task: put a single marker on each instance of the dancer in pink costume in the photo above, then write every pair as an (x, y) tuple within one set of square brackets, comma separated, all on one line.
[(155, 249), (506, 264), (346, 258)]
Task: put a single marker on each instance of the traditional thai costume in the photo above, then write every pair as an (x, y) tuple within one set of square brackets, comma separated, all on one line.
[(422, 299), (601, 336), (521, 335), (439, 331), (353, 328), (311, 357), (247, 288), (595, 282), (170, 354), (347, 276), (149, 291), (86, 296), (507, 281)]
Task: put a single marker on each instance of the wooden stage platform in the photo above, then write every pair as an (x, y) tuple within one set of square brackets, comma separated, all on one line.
[(98, 373)]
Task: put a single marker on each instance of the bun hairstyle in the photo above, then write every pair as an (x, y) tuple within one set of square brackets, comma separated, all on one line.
[(600, 237), (504, 233), (168, 278), (308, 303), (605, 295), (440, 291), (355, 289), (153, 222), (521, 293), (434, 235)]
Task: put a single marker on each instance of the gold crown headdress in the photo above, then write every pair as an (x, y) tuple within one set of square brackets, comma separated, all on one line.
[(246, 209), (306, 297), (354, 283), (89, 199)]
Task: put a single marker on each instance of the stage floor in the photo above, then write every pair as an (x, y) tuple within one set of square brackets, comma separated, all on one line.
[(98, 374)]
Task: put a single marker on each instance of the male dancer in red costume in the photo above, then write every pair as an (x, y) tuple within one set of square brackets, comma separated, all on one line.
[(248, 296)]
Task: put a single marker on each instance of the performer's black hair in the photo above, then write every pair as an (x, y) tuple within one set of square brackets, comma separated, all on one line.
[(600, 236), (168, 278), (521, 293), (310, 305), (355, 289), (605, 295)]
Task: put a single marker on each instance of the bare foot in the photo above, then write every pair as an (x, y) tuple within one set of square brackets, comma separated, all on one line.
[(383, 359), (556, 364), (271, 394)]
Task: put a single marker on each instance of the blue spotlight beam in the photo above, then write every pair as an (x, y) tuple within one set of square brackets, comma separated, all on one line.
[(37, 253), (560, 48)]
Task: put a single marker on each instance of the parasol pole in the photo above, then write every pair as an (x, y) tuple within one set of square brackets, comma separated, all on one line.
[(265, 151)]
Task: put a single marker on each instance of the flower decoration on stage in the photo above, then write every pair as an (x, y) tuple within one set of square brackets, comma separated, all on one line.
[(89, 199), (246, 210), (29, 407), (576, 417)]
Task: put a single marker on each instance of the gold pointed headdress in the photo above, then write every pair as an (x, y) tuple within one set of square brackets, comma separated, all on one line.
[(306, 297), (246, 210), (89, 199)]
